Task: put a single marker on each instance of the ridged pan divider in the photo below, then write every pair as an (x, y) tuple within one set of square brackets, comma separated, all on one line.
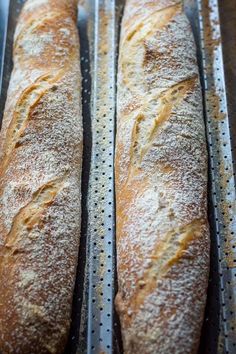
[(219, 331), (99, 288)]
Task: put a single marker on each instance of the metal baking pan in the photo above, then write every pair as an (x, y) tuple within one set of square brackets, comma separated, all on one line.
[(95, 327)]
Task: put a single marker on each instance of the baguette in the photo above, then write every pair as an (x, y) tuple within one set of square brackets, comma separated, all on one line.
[(161, 182), (40, 175)]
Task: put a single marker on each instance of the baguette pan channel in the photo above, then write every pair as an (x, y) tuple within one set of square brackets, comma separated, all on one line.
[(40, 175), (161, 182)]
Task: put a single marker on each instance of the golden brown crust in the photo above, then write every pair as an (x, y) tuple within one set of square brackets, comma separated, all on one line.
[(40, 159), (161, 182)]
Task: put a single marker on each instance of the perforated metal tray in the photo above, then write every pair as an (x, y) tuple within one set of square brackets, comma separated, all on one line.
[(95, 328)]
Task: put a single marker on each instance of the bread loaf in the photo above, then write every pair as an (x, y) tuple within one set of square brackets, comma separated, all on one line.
[(161, 182), (41, 150)]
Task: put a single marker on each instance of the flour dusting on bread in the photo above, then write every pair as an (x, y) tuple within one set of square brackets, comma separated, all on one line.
[(161, 182)]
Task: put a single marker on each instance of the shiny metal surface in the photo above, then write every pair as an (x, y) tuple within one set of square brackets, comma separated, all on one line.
[(100, 204), (219, 327)]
